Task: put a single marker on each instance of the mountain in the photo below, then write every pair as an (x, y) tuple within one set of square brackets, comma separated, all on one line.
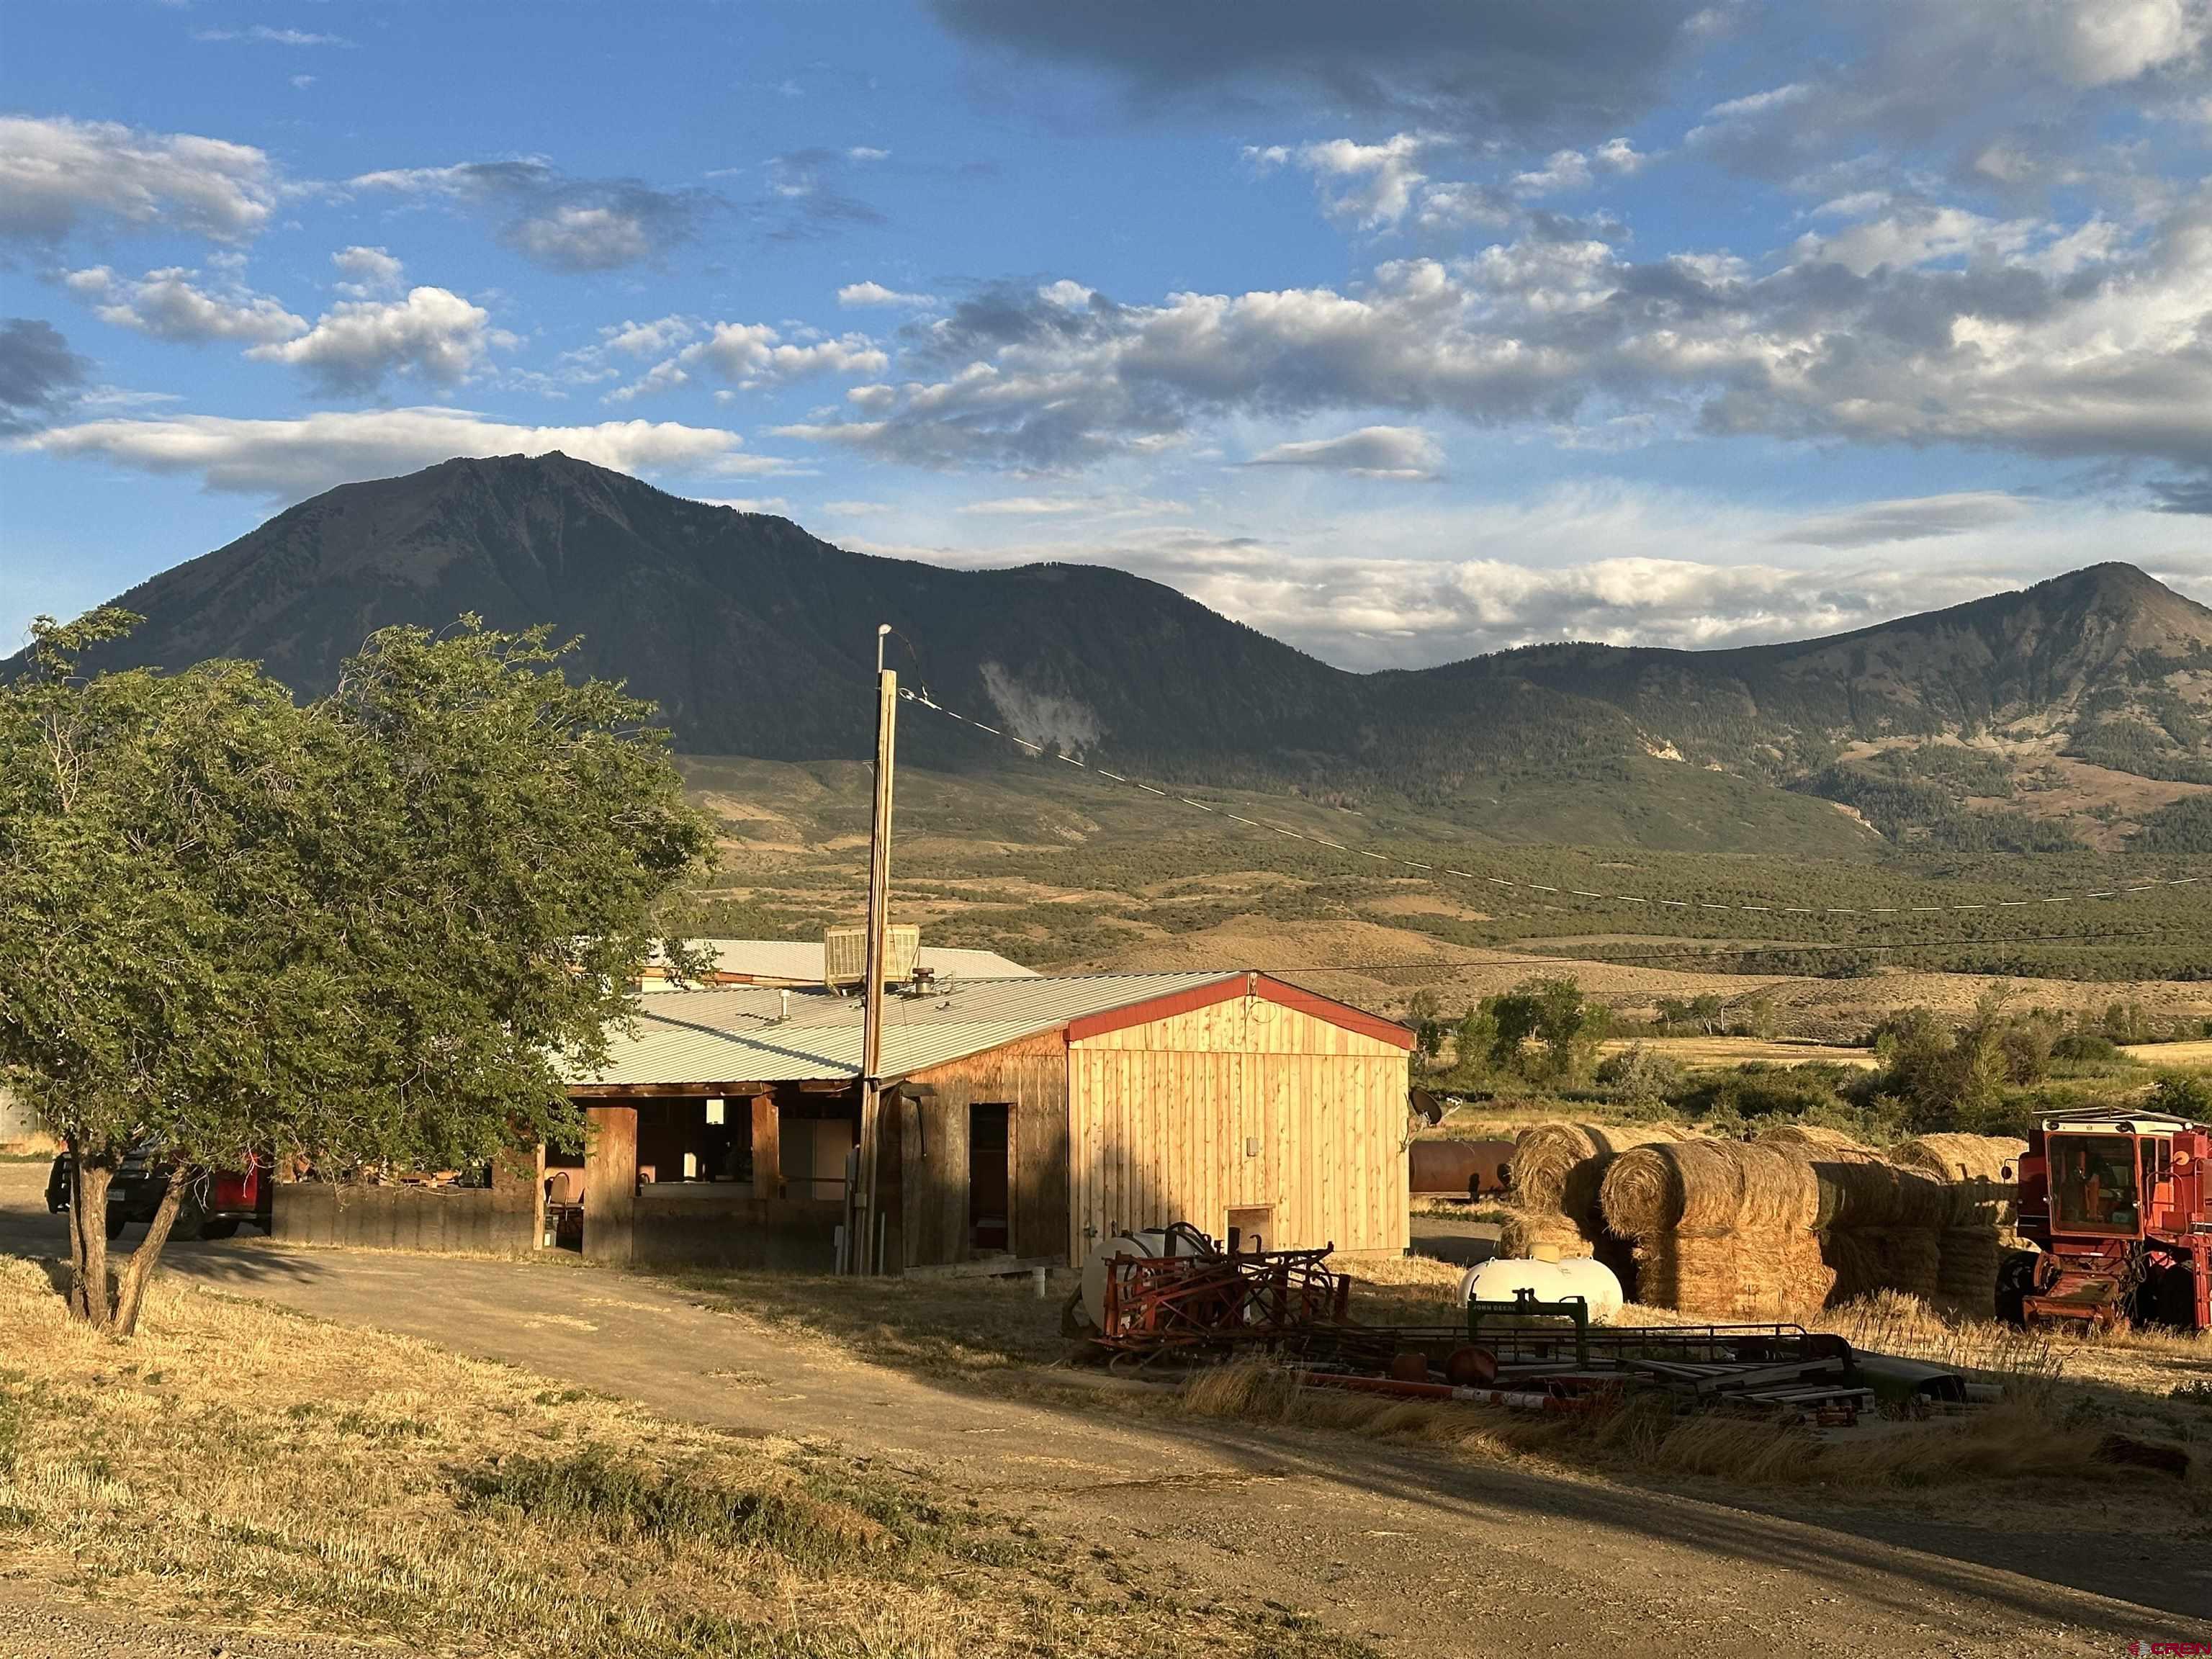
[(755, 638)]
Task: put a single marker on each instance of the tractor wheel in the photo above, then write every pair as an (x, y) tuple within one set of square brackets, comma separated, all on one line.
[(2015, 1280), (218, 1229)]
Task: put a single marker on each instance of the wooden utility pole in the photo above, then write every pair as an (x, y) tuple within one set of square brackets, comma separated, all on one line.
[(860, 1252)]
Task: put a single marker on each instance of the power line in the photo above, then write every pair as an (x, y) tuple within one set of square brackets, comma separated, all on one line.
[(1558, 892)]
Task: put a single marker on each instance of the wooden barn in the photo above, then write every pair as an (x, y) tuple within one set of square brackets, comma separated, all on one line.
[(1030, 1116)]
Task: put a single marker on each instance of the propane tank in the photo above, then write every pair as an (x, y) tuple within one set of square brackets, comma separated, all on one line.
[(1148, 1243), (1498, 1279)]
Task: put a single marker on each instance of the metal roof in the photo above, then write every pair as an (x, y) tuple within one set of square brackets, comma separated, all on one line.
[(756, 1034), (800, 961)]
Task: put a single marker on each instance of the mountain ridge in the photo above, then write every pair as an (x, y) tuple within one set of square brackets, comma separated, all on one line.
[(750, 633)]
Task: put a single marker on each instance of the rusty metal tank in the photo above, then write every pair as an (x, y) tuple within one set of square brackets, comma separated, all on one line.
[(1459, 1168)]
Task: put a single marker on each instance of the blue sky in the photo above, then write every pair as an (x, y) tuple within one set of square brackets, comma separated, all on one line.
[(1401, 330)]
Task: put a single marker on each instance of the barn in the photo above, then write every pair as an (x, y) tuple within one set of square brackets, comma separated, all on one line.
[(1029, 1117)]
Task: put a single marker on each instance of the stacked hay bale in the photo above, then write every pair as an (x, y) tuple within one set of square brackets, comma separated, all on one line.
[(1856, 1213), (1722, 1229), (1977, 1182), (1555, 1175)]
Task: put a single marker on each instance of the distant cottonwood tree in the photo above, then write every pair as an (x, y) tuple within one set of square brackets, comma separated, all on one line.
[(368, 930)]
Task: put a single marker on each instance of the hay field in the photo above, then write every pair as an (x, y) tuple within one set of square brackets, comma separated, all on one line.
[(2187, 1055), (237, 1463), (1738, 1051)]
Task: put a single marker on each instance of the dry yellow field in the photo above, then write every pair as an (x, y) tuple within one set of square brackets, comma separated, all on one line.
[(236, 1462), (2171, 1053), (1738, 1051)]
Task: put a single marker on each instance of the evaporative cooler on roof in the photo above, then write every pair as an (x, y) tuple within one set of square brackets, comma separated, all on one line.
[(845, 955)]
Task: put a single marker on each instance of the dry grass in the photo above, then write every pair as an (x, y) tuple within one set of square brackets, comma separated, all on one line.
[(2027, 1439), (1737, 1051), (985, 1332), (242, 1463)]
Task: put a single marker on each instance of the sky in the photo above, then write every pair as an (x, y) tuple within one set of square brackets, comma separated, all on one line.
[(1401, 330)]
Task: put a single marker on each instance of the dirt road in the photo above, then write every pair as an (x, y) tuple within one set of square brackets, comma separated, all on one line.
[(1418, 1554)]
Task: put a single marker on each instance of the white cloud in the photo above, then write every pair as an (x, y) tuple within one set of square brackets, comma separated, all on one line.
[(169, 304), (1372, 452), (1030, 507), (290, 460), (1681, 568), (1565, 170), (1371, 186), (264, 35), (2046, 339), (648, 339), (749, 354), (867, 153), (875, 294), (56, 174), (1618, 156), (776, 504), (368, 271), (432, 332)]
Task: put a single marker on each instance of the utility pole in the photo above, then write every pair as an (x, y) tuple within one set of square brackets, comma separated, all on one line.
[(860, 1252)]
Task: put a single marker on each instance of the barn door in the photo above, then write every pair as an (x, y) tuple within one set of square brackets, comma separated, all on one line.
[(990, 1172)]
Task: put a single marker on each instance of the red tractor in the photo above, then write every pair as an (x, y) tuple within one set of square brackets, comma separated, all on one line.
[(2118, 1206)]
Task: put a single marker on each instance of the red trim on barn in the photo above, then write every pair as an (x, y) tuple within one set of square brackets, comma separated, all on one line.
[(1336, 1013), (1228, 989)]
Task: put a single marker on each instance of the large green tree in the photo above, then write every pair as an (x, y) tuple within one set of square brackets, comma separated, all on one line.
[(373, 930)]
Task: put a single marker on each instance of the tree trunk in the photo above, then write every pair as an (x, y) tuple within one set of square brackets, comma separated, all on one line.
[(131, 1290), (90, 1297)]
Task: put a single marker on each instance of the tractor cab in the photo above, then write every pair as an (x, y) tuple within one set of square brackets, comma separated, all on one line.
[(2119, 1205)]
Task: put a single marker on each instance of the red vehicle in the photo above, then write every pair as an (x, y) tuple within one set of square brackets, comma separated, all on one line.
[(214, 1204), (2118, 1206)]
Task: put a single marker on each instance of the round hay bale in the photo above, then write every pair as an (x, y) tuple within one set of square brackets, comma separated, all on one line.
[(1780, 1272), (1857, 1188), (1854, 1255), (1524, 1234), (1807, 1283), (1907, 1260), (1924, 1203), (1778, 1186), (1812, 1135), (1980, 1173), (1967, 1269), (1547, 1161), (1693, 1274), (1705, 1187)]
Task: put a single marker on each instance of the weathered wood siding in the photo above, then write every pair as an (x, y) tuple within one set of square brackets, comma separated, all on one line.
[(1031, 1078), (1242, 1103), (609, 1182)]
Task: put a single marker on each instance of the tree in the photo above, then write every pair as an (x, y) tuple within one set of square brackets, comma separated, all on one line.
[(373, 930), (1424, 1013)]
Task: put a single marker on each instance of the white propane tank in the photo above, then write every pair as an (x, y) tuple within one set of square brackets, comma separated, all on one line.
[(1595, 1283), (1498, 1279), (1146, 1244)]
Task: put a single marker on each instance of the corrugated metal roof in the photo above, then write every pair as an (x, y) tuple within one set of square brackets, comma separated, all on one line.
[(799, 961), (747, 1034)]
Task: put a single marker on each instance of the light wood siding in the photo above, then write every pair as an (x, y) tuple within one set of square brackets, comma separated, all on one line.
[(1161, 1116)]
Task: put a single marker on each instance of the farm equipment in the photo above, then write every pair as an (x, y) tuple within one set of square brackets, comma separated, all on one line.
[(2118, 1206), (1174, 1288)]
